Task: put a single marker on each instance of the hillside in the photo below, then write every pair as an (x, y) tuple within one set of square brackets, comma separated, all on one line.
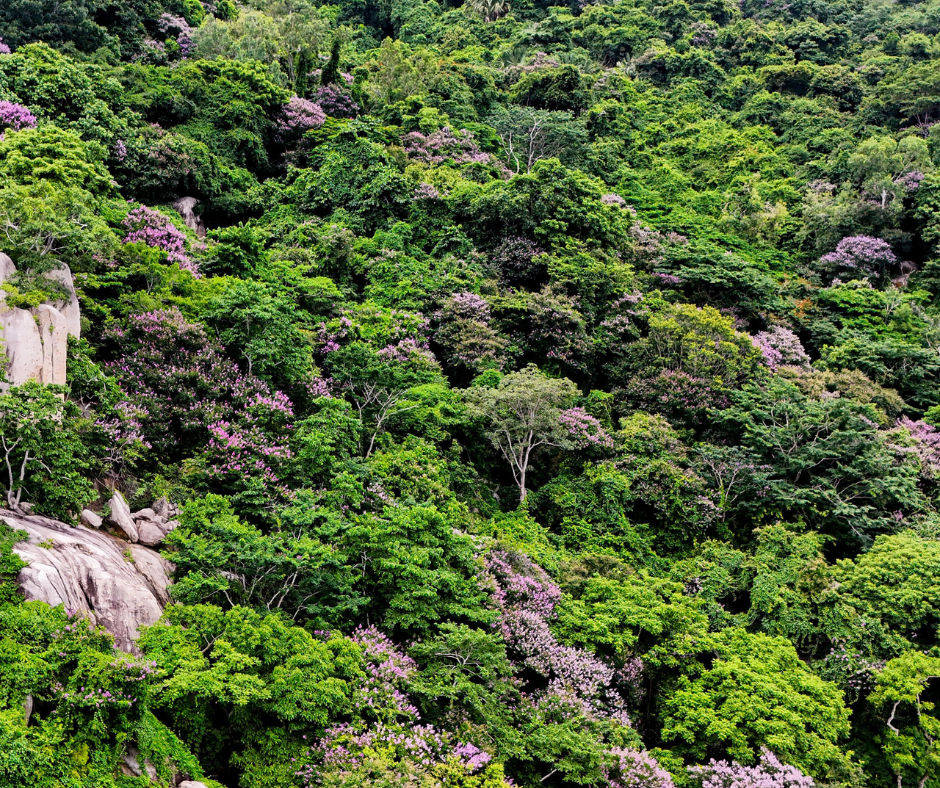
[(550, 394)]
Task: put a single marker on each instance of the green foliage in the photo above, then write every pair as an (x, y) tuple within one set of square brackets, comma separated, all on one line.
[(756, 693), (43, 452)]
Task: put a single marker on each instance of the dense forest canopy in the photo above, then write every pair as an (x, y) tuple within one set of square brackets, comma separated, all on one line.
[(551, 392)]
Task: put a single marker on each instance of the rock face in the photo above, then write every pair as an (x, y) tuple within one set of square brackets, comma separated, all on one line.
[(36, 340), (147, 526), (121, 586), (185, 206)]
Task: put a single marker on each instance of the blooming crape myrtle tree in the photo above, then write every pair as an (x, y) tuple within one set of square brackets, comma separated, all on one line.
[(145, 225), (15, 116), (769, 773), (522, 414), (386, 742), (574, 713), (194, 402), (858, 257)]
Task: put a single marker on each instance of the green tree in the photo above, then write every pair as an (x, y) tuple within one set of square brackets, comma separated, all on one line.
[(521, 415), (756, 693), (43, 452)]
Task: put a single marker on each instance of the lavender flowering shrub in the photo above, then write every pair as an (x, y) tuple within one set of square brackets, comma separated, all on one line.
[(15, 116), (145, 225), (298, 116), (389, 734), (336, 101), (780, 347), (636, 769), (445, 146), (769, 773), (189, 400), (466, 333), (858, 257)]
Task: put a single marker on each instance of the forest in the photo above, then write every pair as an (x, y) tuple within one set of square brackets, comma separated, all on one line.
[(550, 393)]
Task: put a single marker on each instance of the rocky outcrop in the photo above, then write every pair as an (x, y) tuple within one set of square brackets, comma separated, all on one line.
[(148, 526), (36, 340), (121, 586), (185, 207)]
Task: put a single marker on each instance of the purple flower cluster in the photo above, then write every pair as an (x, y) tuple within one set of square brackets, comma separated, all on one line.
[(466, 335), (926, 440), (298, 116), (4, 49), (676, 394), (769, 773), (426, 191), (170, 24), (860, 256), (387, 669), (396, 732), (577, 681), (557, 326), (779, 347), (445, 147), (406, 350), (636, 769), (190, 398), (16, 116), (584, 429), (336, 101), (910, 181), (145, 225)]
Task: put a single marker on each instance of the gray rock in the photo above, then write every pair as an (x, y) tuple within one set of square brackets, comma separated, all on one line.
[(23, 344), (121, 587), (89, 518), (69, 305), (36, 340), (25, 508), (54, 337), (144, 514), (121, 516), (191, 784), (161, 508), (149, 533), (185, 206), (130, 765)]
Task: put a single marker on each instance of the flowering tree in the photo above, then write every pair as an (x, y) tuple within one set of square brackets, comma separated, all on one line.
[(769, 773), (444, 146), (466, 335), (636, 769), (779, 347), (521, 415), (15, 116), (336, 102), (858, 256), (298, 116), (145, 225), (190, 399), (387, 735)]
